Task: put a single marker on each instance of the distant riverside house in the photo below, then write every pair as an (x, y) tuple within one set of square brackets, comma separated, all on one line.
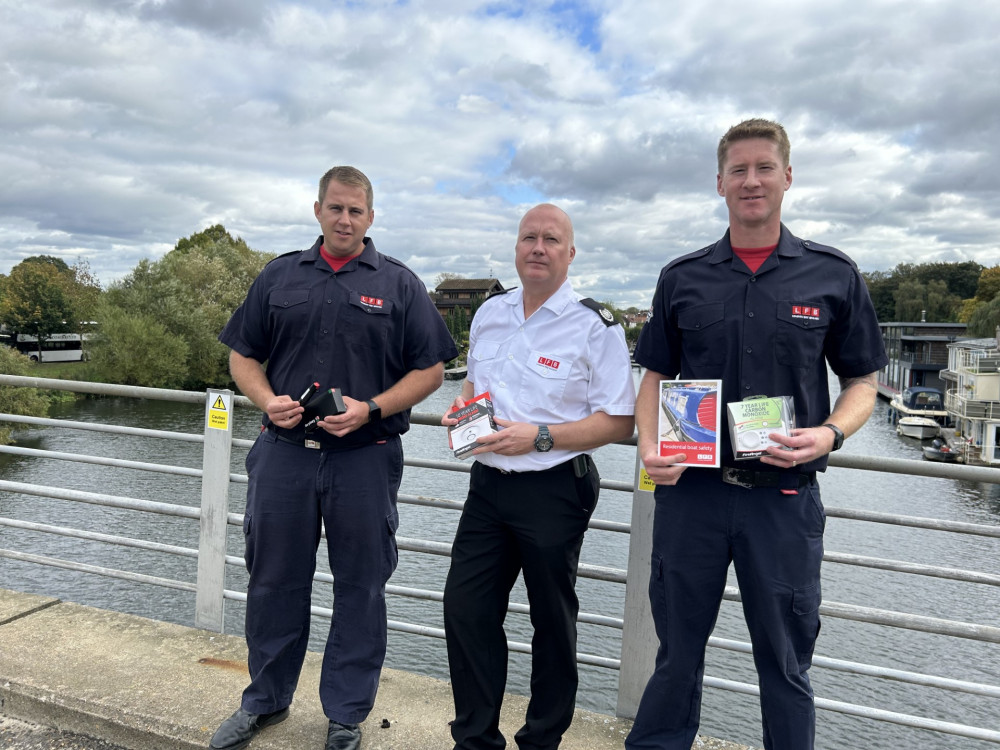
[(973, 397), (917, 354), (463, 293), (635, 319)]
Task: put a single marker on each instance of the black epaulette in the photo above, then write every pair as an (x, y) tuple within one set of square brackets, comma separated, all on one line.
[(499, 292), (606, 317)]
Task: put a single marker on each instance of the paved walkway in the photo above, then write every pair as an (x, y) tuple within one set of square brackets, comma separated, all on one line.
[(148, 685)]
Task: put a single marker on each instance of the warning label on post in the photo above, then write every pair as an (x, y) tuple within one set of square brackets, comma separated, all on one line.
[(645, 481), (218, 412)]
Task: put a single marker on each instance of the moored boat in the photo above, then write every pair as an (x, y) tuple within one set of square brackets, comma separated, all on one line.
[(919, 402), (921, 428), (939, 450)]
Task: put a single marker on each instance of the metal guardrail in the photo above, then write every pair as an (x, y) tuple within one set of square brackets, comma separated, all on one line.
[(638, 642)]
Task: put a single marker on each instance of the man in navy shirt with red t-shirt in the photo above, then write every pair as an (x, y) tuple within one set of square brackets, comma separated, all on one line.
[(345, 316), (765, 312)]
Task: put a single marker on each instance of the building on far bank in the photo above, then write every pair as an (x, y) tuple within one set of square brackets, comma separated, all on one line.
[(917, 354), (972, 398), (451, 294)]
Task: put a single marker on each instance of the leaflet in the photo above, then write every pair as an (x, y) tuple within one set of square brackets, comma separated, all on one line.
[(689, 420)]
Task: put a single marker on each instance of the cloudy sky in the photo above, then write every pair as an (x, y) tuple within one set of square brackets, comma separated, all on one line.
[(127, 124)]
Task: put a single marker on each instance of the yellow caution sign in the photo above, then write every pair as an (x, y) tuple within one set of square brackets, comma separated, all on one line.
[(218, 413), (645, 483)]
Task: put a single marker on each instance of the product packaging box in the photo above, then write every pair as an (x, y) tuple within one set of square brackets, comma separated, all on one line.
[(690, 412), (323, 404), (475, 420), (753, 419)]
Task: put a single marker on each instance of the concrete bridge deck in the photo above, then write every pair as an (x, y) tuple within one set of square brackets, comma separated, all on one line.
[(144, 685)]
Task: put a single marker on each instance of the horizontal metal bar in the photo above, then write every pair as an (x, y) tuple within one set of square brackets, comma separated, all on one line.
[(114, 429), (893, 717), (871, 670), (93, 536), (123, 575), (914, 522), (919, 468), (101, 461), (901, 566), (904, 620), (105, 389), (94, 498)]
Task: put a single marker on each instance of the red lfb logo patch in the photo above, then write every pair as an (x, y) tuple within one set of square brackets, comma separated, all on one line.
[(803, 311), (372, 301), (546, 362)]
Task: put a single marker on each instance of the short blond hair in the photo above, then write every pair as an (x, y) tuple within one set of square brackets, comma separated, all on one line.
[(755, 128), (347, 176)]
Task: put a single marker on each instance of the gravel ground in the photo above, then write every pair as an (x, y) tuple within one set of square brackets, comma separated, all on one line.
[(17, 735)]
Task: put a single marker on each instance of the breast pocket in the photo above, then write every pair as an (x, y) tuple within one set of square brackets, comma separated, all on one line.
[(368, 320), (289, 309), (545, 378), (702, 333), (800, 332), (481, 359)]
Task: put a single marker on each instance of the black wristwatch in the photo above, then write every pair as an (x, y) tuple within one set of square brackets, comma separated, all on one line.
[(374, 411), (838, 436), (543, 442)]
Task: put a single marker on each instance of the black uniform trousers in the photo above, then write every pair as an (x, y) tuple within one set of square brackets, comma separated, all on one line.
[(292, 490), (520, 521)]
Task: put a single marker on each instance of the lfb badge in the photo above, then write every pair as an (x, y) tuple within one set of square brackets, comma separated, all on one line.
[(606, 314)]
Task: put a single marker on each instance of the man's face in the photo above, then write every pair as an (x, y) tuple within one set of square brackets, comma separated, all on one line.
[(544, 248), (753, 182), (344, 217)]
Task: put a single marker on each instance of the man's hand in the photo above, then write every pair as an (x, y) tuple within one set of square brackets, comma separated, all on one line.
[(283, 412), (663, 469), (447, 421), (343, 424), (512, 439), (806, 444)]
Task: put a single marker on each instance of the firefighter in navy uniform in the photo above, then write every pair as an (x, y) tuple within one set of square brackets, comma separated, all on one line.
[(765, 312), (557, 369), (345, 316)]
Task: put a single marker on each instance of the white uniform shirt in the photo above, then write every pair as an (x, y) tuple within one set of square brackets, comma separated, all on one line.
[(560, 365)]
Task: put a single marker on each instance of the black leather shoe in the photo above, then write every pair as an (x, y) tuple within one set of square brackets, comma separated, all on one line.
[(343, 736), (237, 731)]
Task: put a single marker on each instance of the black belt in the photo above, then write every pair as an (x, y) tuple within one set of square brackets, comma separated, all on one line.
[(582, 469), (749, 478)]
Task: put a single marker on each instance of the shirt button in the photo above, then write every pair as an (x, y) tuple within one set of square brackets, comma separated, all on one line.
[(746, 388), (503, 384), (753, 278), (329, 302), (749, 348), (749, 314), (510, 356), (325, 331)]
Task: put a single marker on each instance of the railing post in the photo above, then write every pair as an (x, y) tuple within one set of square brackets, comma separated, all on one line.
[(639, 641), (209, 600)]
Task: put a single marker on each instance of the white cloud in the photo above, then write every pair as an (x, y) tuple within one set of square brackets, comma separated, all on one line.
[(127, 125)]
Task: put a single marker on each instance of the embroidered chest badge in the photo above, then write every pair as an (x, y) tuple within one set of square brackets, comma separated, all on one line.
[(375, 302), (803, 311), (552, 364)]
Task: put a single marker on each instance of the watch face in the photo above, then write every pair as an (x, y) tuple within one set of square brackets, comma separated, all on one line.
[(543, 442)]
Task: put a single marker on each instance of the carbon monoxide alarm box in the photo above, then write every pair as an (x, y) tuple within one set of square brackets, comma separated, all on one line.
[(475, 420)]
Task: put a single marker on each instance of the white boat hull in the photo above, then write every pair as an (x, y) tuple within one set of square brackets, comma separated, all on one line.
[(920, 428)]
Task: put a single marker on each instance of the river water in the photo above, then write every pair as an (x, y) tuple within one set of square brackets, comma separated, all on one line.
[(725, 714)]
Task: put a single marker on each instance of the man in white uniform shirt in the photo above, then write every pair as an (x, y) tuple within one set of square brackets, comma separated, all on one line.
[(558, 372)]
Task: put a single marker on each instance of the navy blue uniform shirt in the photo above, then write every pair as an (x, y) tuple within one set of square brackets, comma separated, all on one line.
[(360, 329), (767, 333)]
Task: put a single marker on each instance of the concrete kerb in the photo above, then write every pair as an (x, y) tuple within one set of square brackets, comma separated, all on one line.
[(147, 684)]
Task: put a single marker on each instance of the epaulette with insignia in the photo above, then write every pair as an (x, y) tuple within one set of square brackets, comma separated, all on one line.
[(606, 316)]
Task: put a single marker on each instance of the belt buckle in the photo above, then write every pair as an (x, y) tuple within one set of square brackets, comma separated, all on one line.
[(314, 444), (732, 476)]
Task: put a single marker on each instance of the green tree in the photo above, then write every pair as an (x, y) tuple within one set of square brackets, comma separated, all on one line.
[(190, 294), (138, 350), (988, 286), (984, 320), (38, 299), (28, 402), (916, 300)]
